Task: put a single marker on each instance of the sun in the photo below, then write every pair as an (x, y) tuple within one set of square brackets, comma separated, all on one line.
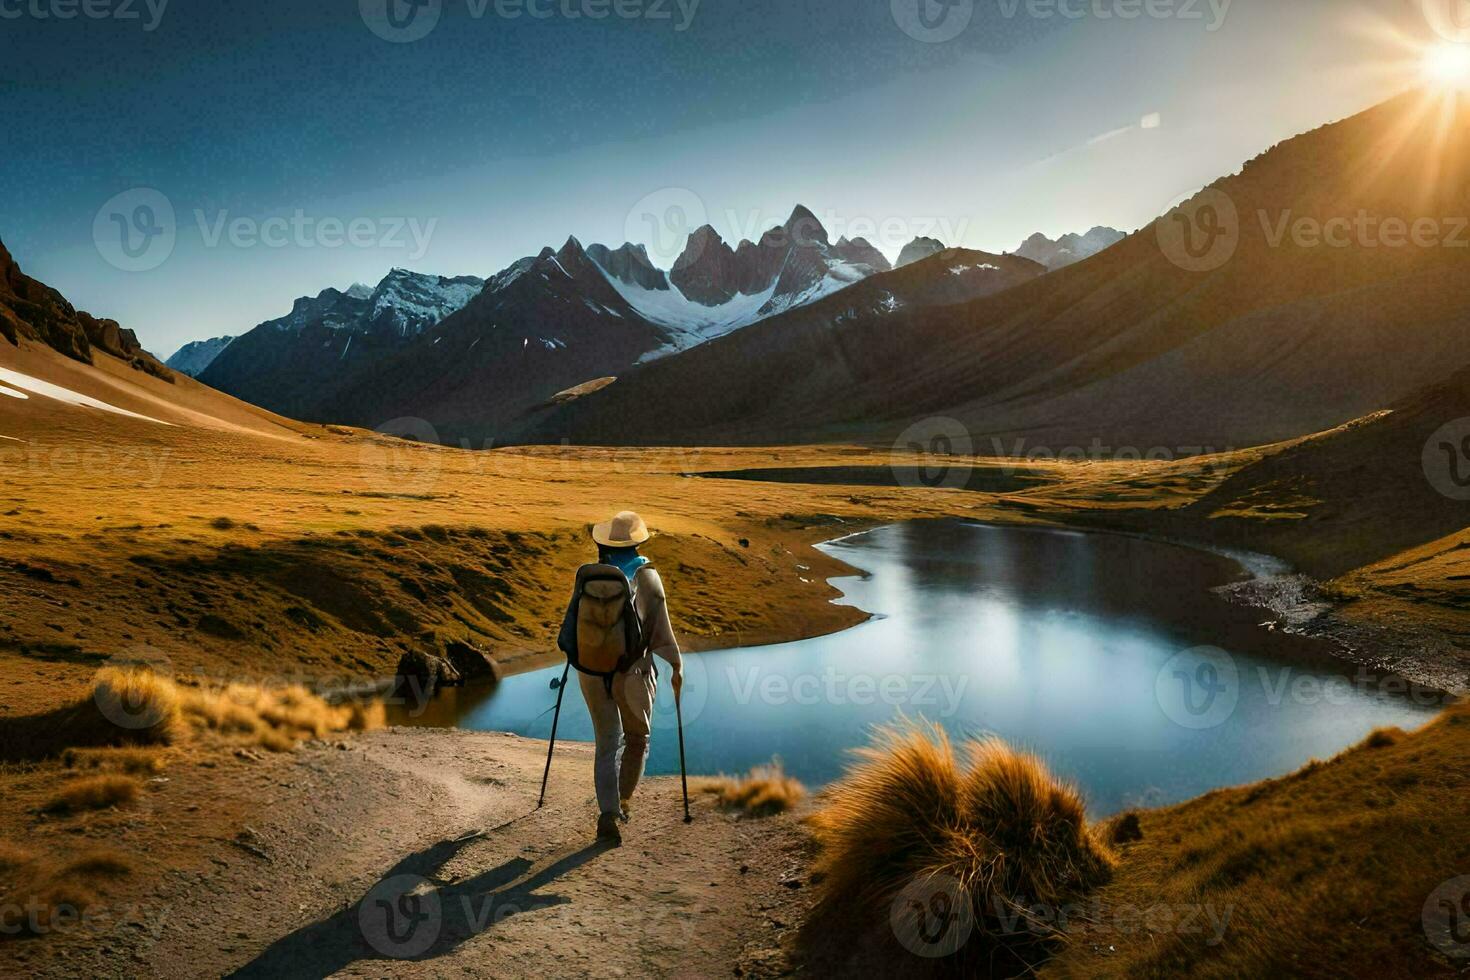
[(1447, 65)]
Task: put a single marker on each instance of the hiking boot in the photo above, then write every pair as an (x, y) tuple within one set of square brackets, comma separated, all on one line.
[(607, 829), (627, 813)]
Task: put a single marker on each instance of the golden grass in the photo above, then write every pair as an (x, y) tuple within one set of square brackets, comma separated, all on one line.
[(94, 793), (1321, 873), (129, 710), (276, 718), (136, 762), (140, 705), (764, 792), (43, 895), (1000, 826)]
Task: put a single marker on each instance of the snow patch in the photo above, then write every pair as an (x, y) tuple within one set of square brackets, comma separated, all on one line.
[(14, 394), (48, 390)]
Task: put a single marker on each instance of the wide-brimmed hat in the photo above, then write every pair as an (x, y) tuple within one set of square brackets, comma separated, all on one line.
[(624, 531)]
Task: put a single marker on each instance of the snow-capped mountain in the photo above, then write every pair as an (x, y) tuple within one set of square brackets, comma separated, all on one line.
[(407, 302), (478, 360), (286, 364), (917, 250), (714, 289), (546, 324), (194, 357), (1069, 249)]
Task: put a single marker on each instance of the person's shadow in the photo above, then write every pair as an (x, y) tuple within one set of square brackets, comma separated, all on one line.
[(411, 915)]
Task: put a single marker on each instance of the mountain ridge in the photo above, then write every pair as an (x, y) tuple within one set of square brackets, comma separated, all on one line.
[(1129, 347)]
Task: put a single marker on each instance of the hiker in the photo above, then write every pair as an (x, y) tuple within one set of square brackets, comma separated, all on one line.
[(620, 697)]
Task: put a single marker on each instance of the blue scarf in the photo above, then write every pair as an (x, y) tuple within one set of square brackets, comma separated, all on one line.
[(626, 559)]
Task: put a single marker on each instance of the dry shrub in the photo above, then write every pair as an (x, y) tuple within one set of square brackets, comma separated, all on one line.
[(1001, 826), (276, 718), (138, 705), (94, 793), (1382, 738), (137, 762), (764, 792), (45, 895)]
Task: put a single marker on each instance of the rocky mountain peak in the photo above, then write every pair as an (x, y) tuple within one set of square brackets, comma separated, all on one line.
[(918, 249)]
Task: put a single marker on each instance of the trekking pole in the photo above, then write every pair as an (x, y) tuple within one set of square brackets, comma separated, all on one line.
[(683, 770), (555, 720)]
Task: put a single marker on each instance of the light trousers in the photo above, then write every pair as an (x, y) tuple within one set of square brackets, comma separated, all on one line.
[(621, 725)]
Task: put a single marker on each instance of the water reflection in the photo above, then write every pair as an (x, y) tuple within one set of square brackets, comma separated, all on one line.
[(1064, 643)]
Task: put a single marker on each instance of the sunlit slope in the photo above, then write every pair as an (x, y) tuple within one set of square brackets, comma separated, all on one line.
[(1268, 334), (146, 405)]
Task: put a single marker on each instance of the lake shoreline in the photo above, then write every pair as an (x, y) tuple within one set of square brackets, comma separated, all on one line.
[(1299, 603)]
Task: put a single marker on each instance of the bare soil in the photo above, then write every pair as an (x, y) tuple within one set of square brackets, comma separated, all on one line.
[(281, 873)]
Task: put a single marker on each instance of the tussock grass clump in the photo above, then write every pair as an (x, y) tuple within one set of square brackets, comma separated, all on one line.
[(1000, 825), (94, 793), (136, 762), (44, 895), (764, 792), (125, 707), (1382, 738), (136, 707), (277, 718), (142, 706)]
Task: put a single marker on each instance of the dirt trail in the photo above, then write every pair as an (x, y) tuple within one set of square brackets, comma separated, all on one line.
[(419, 853)]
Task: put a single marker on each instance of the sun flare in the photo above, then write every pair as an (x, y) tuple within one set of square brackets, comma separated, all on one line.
[(1448, 65)]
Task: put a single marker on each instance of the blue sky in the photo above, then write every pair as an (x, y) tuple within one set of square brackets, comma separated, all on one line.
[(297, 148)]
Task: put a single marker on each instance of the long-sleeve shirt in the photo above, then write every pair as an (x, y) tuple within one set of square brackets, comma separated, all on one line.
[(652, 604)]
